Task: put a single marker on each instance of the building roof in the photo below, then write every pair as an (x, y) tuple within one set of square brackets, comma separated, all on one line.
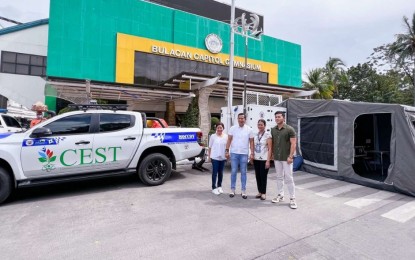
[(221, 85), (77, 91), (23, 26), (212, 9)]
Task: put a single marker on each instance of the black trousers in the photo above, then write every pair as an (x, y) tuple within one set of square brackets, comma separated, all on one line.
[(261, 175)]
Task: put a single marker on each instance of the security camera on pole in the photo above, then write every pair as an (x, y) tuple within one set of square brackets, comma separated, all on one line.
[(248, 30)]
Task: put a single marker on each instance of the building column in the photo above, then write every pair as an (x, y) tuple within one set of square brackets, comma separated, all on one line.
[(204, 113), (170, 116)]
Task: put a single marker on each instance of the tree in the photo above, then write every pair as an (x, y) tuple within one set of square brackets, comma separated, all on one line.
[(333, 69), (403, 50), (69, 109), (66, 109), (400, 54), (363, 81), (368, 85), (344, 87), (316, 79), (213, 122), (191, 118)]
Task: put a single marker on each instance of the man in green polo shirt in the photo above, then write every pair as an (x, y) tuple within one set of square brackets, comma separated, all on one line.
[(283, 147)]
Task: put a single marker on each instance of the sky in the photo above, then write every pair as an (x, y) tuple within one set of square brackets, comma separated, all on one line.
[(345, 29)]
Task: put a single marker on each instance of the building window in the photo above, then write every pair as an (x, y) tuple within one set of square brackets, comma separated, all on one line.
[(151, 69), (24, 64)]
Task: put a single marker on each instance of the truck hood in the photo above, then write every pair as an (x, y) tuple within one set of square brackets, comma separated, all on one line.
[(7, 138), (5, 135)]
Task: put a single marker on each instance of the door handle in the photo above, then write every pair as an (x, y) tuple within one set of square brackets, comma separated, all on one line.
[(129, 138), (82, 142)]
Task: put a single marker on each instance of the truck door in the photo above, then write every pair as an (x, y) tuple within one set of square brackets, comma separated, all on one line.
[(116, 140), (67, 151)]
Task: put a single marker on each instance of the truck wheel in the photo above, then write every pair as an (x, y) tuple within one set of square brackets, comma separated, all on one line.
[(5, 185), (155, 169)]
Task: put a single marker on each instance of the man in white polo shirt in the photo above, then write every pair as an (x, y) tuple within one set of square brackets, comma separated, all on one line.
[(241, 145)]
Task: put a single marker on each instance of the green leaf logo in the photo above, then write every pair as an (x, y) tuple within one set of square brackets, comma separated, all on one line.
[(46, 157)]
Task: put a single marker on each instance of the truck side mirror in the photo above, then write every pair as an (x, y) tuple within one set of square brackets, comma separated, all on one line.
[(41, 132)]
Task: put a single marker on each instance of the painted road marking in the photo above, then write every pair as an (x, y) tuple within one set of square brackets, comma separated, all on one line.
[(370, 199), (402, 213), (336, 191), (315, 184), (304, 177)]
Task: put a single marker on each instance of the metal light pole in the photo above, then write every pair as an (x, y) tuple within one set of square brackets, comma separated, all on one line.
[(231, 51), (248, 30), (245, 67)]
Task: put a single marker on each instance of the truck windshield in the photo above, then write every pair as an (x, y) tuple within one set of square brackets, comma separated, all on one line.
[(11, 122)]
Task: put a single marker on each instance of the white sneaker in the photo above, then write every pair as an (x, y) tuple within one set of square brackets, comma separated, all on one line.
[(215, 191), (277, 199), (293, 204), (220, 190)]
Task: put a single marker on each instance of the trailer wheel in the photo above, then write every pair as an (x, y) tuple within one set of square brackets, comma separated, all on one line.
[(6, 186), (155, 169)]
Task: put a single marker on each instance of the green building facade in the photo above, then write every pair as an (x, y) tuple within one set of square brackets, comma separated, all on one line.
[(94, 39)]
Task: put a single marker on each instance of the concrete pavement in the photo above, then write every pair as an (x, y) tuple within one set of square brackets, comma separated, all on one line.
[(120, 218)]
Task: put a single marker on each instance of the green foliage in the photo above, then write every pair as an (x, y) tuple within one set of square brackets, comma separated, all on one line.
[(316, 79), (361, 83), (367, 84), (389, 76), (67, 109), (191, 118), (333, 71), (64, 110), (327, 80), (103, 102), (399, 57), (213, 122)]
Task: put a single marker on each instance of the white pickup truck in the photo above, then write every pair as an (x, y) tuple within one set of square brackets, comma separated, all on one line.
[(91, 144), (9, 124)]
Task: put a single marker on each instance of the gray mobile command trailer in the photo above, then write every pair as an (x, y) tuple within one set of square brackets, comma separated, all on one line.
[(365, 143)]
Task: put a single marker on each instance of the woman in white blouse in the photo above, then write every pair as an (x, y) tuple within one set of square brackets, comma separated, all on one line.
[(216, 153), (262, 142)]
